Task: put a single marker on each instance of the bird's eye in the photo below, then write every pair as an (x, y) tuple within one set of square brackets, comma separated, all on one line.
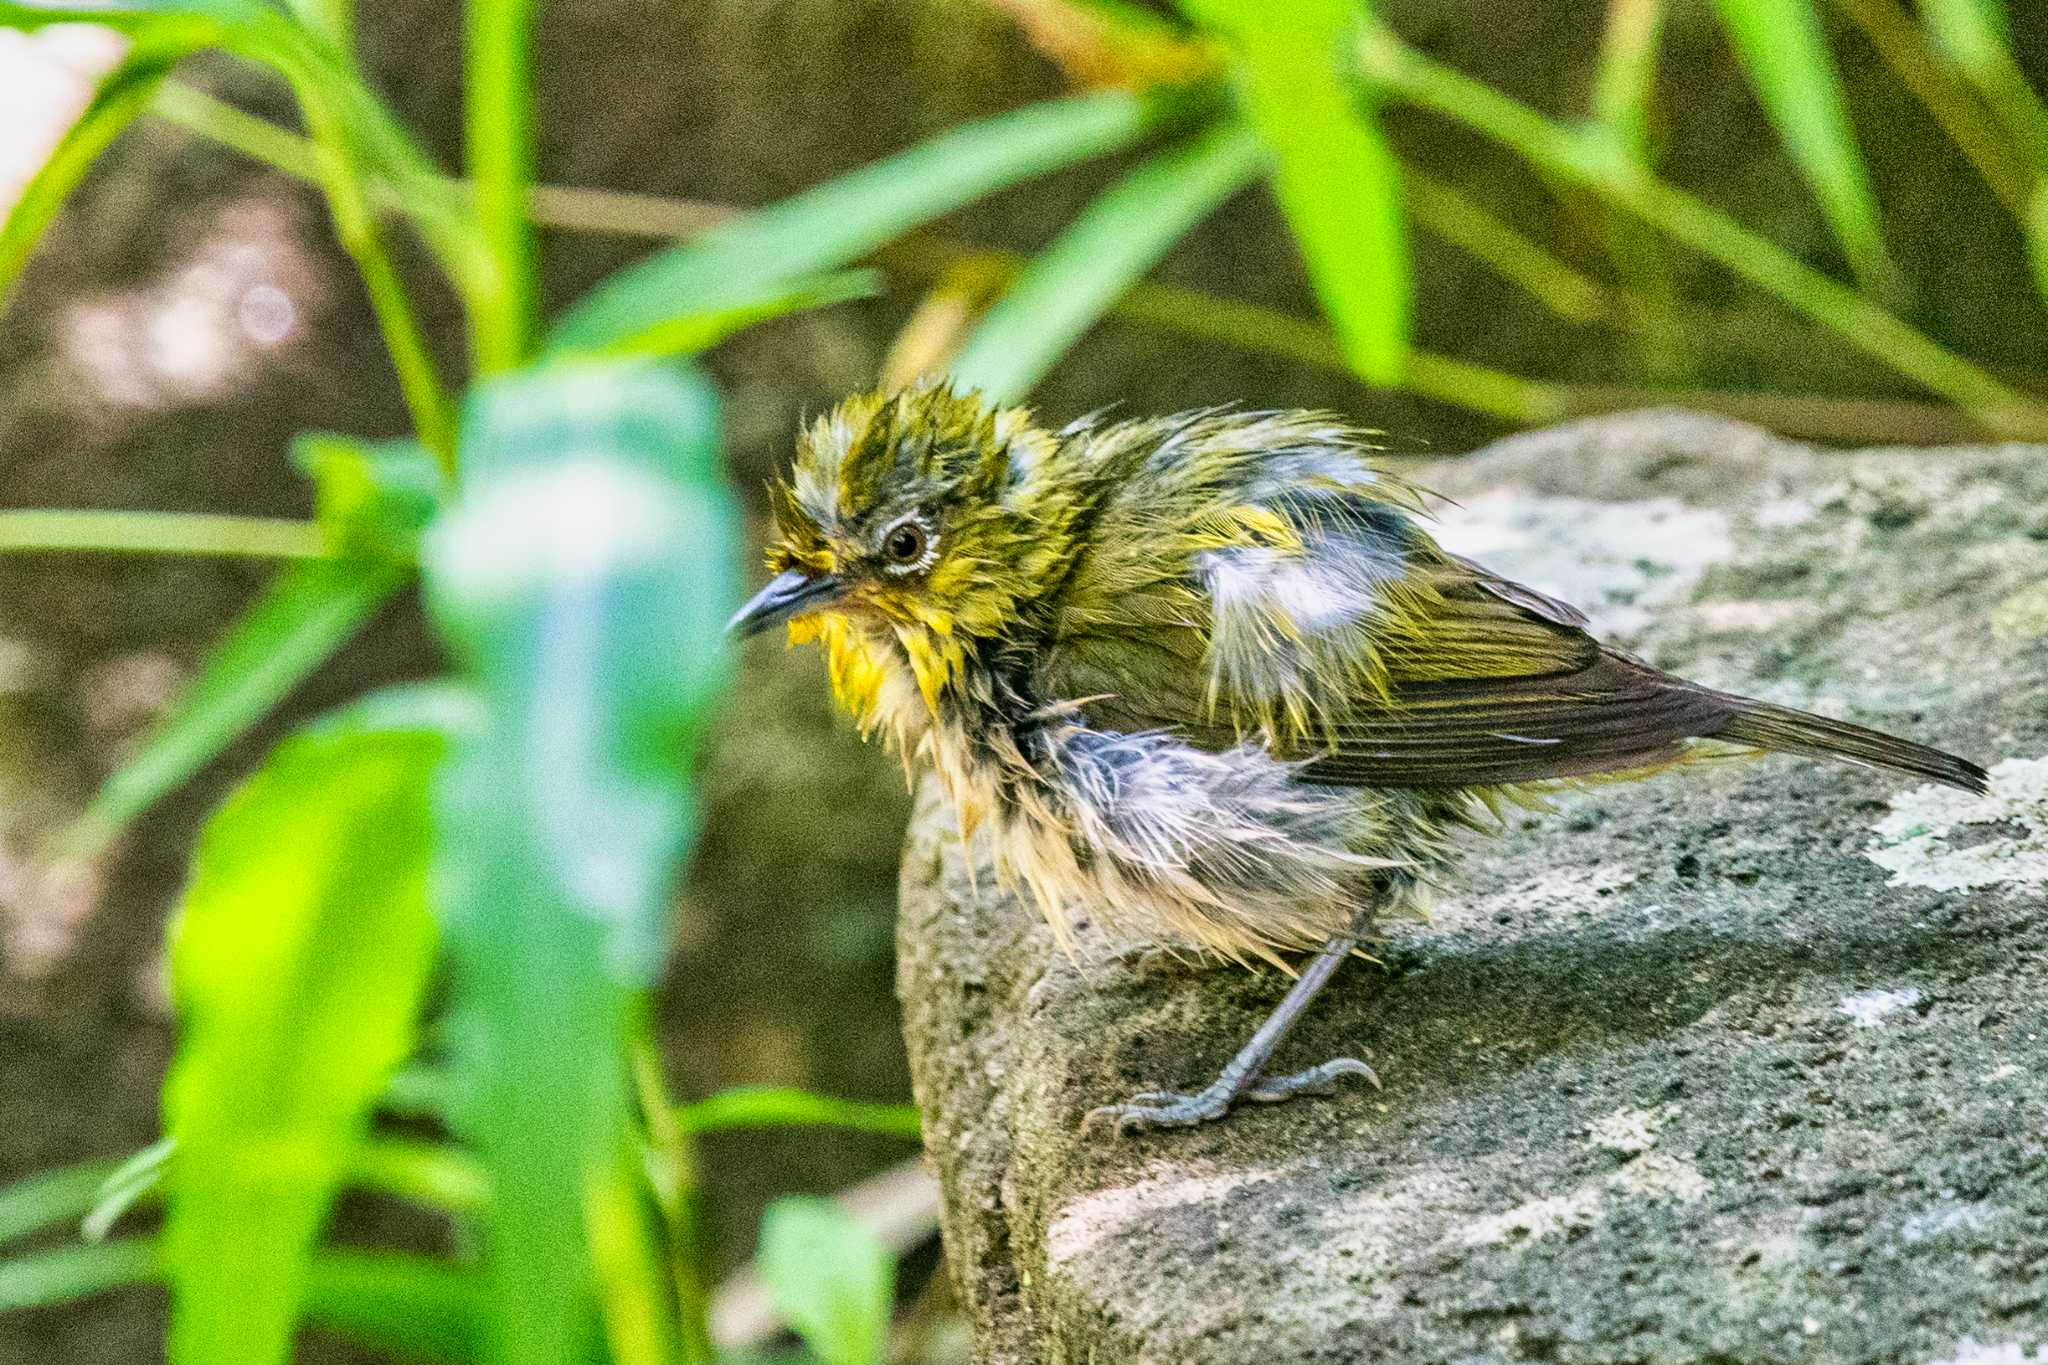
[(905, 543)]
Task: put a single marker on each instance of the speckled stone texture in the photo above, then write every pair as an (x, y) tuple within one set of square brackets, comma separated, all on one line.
[(1740, 1064)]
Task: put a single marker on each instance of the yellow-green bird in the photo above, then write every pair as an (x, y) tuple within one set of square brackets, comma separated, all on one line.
[(1207, 678)]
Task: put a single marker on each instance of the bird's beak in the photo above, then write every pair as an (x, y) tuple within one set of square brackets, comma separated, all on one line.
[(788, 594)]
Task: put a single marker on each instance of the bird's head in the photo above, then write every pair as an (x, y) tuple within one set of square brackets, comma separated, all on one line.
[(916, 511)]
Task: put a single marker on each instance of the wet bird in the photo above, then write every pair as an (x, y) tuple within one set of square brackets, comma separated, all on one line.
[(1209, 679)]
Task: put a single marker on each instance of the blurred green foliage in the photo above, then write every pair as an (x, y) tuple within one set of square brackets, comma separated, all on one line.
[(515, 832)]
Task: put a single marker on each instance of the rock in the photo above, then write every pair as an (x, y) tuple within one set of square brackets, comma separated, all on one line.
[(1742, 1063)]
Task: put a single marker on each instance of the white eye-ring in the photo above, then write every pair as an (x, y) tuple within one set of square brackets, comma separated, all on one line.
[(908, 546)]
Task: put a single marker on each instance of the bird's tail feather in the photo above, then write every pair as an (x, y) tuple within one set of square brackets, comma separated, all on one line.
[(1785, 730)]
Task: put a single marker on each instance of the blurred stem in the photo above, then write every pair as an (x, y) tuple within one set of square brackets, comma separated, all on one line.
[(2035, 225), (419, 380), (937, 328), (1247, 326), (572, 208), (750, 1106), (195, 111), (1857, 421), (672, 1169), (328, 99), (1622, 92), (639, 1321), (1451, 215), (1974, 34), (1628, 73), (1440, 208), (1663, 344), (1903, 48), (1102, 43), (440, 1177), (161, 533), (339, 16), (362, 236), (498, 134), (1402, 71)]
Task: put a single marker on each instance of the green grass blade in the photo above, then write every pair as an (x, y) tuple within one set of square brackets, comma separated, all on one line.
[(308, 612), (841, 221), (582, 584), (123, 94), (1976, 35), (1101, 254), (48, 1198), (497, 129), (2035, 229), (1785, 54), (335, 18), (432, 1174), (67, 1274), (129, 16), (1397, 69), (741, 307), (298, 964), (830, 1277), (135, 1179), (371, 498), (409, 1306), (1627, 77), (413, 1307), (159, 533), (1334, 174), (782, 1107)]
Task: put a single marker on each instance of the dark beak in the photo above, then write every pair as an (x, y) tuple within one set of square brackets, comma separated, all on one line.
[(787, 594)]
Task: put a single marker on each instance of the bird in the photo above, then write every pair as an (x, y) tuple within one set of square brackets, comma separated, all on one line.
[(1209, 679)]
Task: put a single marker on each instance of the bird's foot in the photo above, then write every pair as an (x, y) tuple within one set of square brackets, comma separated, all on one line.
[(1167, 1109)]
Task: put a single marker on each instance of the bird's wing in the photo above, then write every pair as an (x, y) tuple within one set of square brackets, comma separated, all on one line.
[(1332, 625)]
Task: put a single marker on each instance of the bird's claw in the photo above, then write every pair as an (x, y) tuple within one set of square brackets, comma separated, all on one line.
[(1161, 1109), (1316, 1080), (1166, 1109)]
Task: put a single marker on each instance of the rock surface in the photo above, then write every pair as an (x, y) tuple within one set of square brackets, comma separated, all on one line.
[(1742, 1064)]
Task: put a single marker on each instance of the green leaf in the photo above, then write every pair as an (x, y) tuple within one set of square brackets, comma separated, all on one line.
[(782, 1107), (126, 1186), (122, 95), (1627, 77), (1975, 35), (409, 1306), (50, 1197), (843, 220), (745, 304), (1101, 254), (2035, 229), (439, 1176), (309, 611), (582, 584), (158, 533), (1334, 173), (298, 964), (127, 16), (1785, 55), (418, 1091), (1976, 38), (830, 1278), (372, 498), (66, 1274)]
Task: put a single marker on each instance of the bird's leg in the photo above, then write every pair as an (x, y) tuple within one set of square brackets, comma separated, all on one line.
[(1243, 1077)]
